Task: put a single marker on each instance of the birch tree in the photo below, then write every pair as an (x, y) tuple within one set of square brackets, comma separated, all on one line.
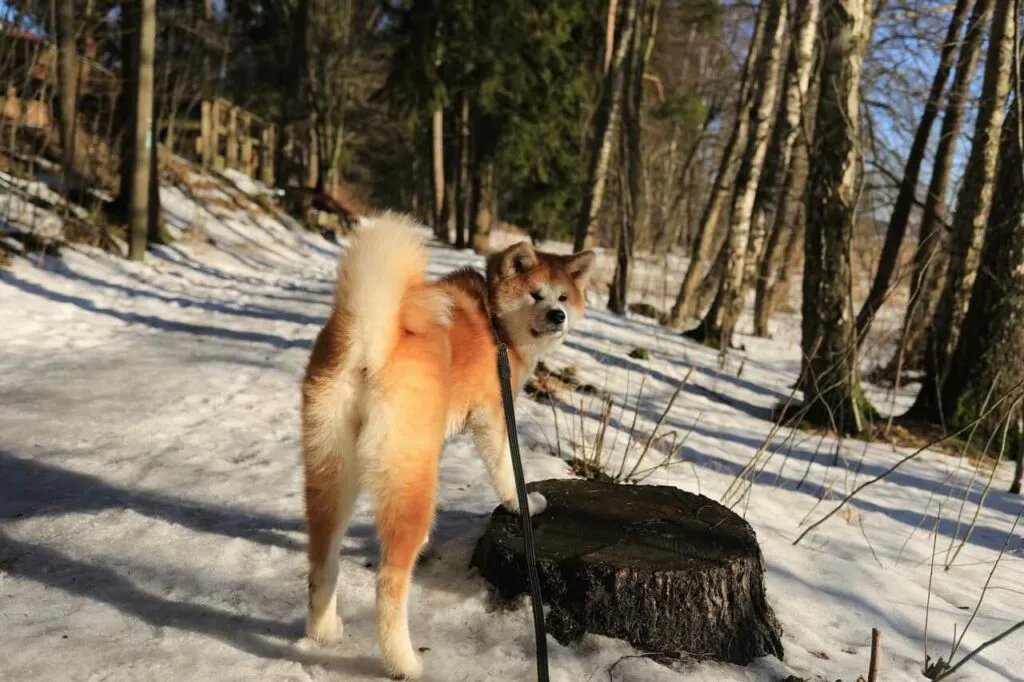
[(929, 259), (606, 123), (972, 210), (717, 327), (908, 186), (987, 359), (775, 190), (705, 236), (830, 380), (635, 215)]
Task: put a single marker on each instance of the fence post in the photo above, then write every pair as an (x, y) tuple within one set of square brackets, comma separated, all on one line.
[(205, 133), (269, 139), (231, 158)]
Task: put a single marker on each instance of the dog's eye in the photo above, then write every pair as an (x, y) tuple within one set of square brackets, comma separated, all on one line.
[(563, 298), (536, 296)]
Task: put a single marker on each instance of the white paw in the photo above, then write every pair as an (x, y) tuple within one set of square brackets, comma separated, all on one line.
[(403, 667), (326, 630), (537, 503)]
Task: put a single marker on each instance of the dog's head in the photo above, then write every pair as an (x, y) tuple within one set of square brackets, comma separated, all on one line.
[(537, 296)]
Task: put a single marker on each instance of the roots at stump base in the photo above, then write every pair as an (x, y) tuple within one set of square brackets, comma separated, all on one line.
[(665, 570)]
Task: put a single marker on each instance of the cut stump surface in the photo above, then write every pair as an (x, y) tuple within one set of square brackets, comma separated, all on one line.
[(663, 569)]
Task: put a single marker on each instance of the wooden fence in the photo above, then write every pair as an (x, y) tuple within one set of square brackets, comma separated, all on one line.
[(231, 137)]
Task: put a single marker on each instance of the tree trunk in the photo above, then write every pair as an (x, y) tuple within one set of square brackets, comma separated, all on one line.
[(156, 232), (206, 97), (929, 261), (720, 326), (138, 218), (294, 99), (475, 177), (908, 186), (172, 114), (987, 359), (606, 122), (784, 233), (68, 74), (661, 568), (707, 296), (609, 34), (1018, 469), (312, 178), (126, 107), (972, 210), (330, 141), (644, 14), (830, 383), (462, 184), (437, 146), (721, 189), (774, 203), (483, 206), (450, 206), (779, 291)]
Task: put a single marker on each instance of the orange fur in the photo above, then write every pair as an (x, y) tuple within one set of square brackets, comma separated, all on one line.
[(400, 365)]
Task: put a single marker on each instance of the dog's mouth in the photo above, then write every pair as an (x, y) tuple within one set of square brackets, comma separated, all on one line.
[(547, 331)]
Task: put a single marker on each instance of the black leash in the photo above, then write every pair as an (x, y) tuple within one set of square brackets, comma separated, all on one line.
[(505, 374)]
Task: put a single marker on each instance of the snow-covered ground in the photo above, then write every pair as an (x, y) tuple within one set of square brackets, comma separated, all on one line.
[(151, 511)]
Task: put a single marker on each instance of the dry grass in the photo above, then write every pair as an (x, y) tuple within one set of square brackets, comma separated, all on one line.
[(591, 451)]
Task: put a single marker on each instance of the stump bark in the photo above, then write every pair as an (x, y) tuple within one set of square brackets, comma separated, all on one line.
[(663, 569)]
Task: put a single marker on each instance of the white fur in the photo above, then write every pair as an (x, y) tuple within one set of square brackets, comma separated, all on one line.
[(386, 256), (400, 659), (491, 442), (333, 428)]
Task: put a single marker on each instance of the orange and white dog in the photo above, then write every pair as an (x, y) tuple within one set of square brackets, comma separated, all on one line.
[(401, 365)]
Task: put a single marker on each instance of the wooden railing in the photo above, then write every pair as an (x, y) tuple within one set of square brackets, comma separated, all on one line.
[(231, 137)]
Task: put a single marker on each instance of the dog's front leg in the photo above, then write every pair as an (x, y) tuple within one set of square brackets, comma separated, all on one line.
[(491, 441)]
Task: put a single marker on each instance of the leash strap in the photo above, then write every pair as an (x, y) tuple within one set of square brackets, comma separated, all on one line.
[(505, 375)]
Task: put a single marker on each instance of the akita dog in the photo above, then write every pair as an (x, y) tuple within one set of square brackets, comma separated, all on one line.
[(401, 365)]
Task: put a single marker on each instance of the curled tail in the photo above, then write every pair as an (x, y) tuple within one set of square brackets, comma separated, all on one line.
[(382, 288)]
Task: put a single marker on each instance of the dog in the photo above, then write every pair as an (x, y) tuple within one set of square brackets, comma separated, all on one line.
[(401, 365)]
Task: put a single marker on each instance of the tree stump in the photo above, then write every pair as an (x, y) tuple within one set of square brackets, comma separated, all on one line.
[(663, 569)]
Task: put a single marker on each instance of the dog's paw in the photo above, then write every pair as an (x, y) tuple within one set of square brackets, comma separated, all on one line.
[(406, 667), (326, 630), (537, 503)]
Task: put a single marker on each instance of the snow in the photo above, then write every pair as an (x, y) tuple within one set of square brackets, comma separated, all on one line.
[(150, 490)]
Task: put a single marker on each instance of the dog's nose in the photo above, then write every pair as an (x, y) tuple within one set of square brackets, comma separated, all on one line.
[(556, 316)]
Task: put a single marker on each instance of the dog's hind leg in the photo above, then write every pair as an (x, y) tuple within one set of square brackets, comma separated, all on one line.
[(331, 491), (409, 435), (404, 516)]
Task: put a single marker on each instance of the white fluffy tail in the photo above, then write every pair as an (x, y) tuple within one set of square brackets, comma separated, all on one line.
[(382, 288)]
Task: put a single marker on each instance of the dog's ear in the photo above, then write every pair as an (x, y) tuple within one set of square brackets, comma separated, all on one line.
[(517, 259), (579, 267)]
